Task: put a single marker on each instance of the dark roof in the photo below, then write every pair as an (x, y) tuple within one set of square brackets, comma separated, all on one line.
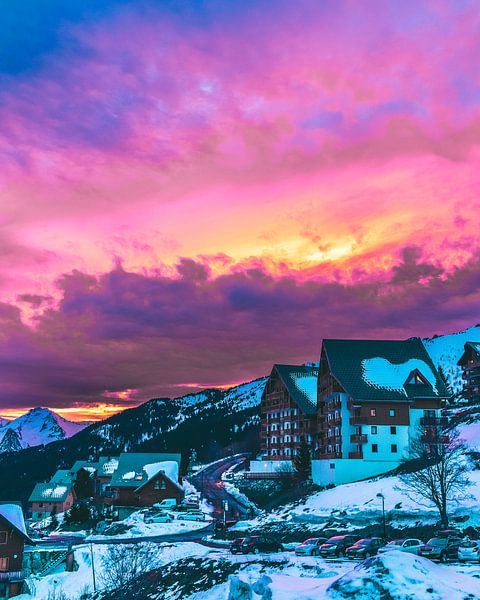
[(12, 515), (133, 469), (379, 369), (62, 475), (83, 464), (51, 492), (301, 383), (468, 349)]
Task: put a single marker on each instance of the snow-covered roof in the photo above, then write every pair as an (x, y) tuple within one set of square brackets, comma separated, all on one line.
[(50, 492), (381, 369), (136, 469), (12, 514), (301, 383)]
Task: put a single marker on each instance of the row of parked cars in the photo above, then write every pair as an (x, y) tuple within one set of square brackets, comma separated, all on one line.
[(446, 545), (168, 510)]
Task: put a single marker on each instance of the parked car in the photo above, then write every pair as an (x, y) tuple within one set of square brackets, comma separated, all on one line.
[(365, 547), (441, 548), (161, 517), (236, 546), (166, 503), (257, 543), (191, 515), (469, 550), (411, 545), (187, 506), (310, 547), (337, 545)]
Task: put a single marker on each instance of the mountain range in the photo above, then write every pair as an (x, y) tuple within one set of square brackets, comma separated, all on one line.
[(213, 422), (37, 426)]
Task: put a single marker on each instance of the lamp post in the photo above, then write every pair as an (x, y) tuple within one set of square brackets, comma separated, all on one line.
[(93, 568), (383, 515)]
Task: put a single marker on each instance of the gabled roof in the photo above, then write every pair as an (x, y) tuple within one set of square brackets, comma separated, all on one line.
[(12, 515), (62, 475), (301, 383), (107, 465), (136, 469), (51, 492), (467, 351), (379, 370), (83, 464)]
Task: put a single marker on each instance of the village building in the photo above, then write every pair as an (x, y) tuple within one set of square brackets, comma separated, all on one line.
[(54, 497), (287, 416), (13, 536), (143, 479), (470, 363), (374, 397), (100, 472)]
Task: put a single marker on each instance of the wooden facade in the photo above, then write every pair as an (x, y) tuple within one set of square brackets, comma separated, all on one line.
[(12, 543), (155, 490), (470, 363), (284, 423), (42, 509)]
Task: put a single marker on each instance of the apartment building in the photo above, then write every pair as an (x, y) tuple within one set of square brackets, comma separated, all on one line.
[(374, 397), (470, 363), (288, 415)]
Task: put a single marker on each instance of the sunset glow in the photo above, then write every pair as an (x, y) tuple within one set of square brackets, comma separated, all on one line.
[(189, 194)]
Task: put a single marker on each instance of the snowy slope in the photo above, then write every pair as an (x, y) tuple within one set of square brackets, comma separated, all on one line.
[(37, 426), (445, 351)]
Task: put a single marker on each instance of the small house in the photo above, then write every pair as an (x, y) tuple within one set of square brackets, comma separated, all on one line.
[(53, 497), (13, 536)]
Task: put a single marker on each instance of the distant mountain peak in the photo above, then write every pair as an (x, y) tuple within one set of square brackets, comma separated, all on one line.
[(38, 426)]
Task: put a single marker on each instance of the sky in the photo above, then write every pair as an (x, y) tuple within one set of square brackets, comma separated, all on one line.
[(191, 191)]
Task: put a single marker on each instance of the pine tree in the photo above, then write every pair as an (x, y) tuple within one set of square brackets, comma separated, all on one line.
[(302, 461)]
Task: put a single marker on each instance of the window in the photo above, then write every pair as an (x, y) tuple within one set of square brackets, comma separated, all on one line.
[(40, 504), (392, 412), (394, 448), (160, 484), (393, 430), (374, 448), (4, 564), (3, 537), (373, 412), (416, 378), (337, 448), (332, 465), (374, 430)]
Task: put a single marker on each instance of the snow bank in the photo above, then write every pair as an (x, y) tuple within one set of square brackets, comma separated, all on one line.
[(169, 467), (398, 575)]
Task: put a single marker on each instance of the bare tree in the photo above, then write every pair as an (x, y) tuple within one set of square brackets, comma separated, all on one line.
[(440, 466), (123, 562)]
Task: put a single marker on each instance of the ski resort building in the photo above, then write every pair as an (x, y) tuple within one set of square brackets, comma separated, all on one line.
[(470, 363), (374, 397), (53, 497), (143, 479), (13, 536), (288, 416)]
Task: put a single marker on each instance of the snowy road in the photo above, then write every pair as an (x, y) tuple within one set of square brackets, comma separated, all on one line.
[(209, 482)]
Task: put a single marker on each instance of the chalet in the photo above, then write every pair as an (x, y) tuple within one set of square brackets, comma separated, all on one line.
[(142, 479), (288, 412), (13, 536), (374, 397), (470, 363), (101, 473), (56, 496)]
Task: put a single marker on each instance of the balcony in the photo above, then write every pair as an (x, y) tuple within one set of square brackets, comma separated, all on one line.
[(355, 455), (358, 438), (12, 575), (330, 455), (434, 421)]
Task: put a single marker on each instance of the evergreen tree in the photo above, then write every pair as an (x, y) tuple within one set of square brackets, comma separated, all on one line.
[(84, 485), (302, 461)]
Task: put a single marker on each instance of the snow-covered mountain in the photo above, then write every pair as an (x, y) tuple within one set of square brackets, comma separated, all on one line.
[(37, 426), (445, 351)]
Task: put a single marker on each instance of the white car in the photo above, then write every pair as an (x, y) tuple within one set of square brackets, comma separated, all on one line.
[(469, 550), (158, 518), (191, 515), (310, 547), (406, 545)]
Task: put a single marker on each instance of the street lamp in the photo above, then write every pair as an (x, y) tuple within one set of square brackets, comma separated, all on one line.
[(383, 515)]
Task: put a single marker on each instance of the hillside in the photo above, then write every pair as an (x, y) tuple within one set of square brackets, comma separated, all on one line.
[(212, 422), (445, 351), (36, 427)]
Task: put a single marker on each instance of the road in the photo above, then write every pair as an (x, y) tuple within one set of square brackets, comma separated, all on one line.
[(209, 483)]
